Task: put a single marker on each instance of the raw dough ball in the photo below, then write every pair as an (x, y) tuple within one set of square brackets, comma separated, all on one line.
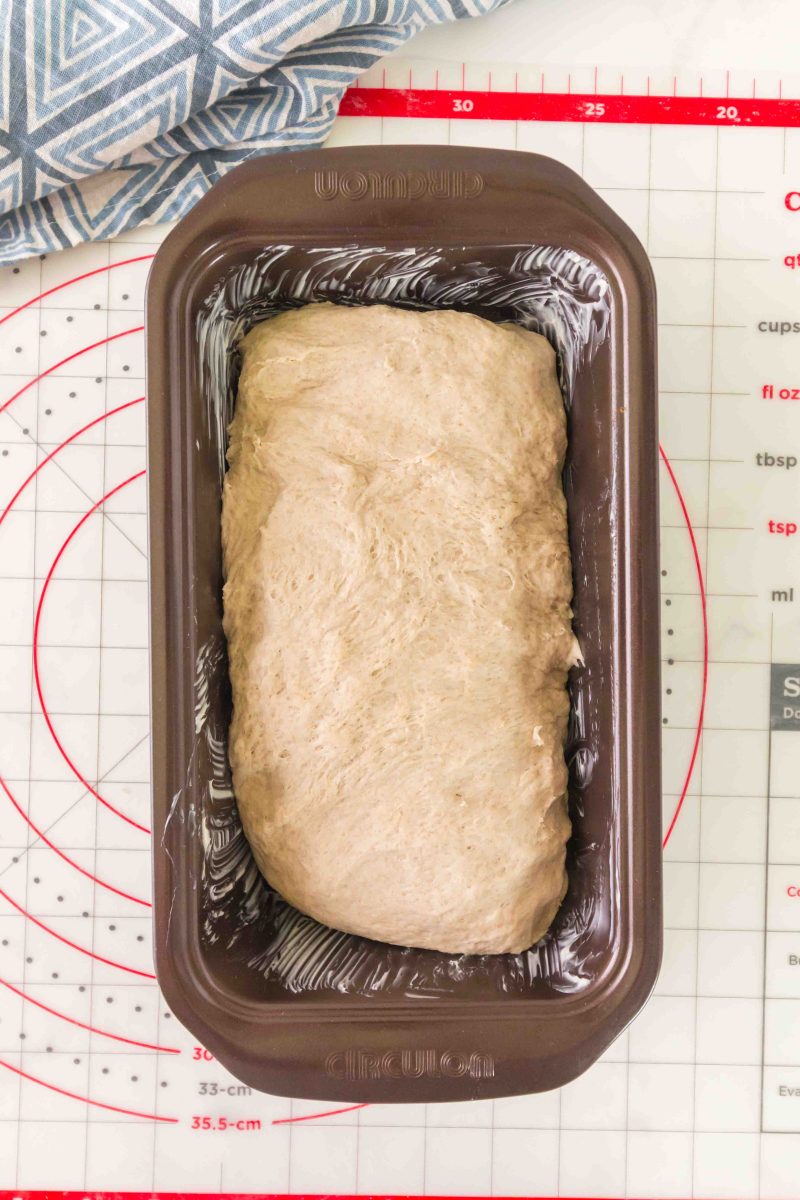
[(397, 608)]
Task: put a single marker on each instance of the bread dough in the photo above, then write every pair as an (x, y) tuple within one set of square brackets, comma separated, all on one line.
[(397, 609)]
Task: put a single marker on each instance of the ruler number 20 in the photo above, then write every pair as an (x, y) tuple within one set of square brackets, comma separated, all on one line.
[(727, 112)]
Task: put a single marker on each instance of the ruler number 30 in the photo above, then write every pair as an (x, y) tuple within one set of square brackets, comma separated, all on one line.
[(463, 105)]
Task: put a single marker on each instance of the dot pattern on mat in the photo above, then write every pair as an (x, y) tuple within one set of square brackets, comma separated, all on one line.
[(118, 1001)]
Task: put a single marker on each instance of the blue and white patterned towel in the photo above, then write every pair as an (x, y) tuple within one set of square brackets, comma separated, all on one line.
[(115, 113)]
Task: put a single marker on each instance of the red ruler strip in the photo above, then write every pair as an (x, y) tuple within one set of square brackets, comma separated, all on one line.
[(26, 1194), (564, 106)]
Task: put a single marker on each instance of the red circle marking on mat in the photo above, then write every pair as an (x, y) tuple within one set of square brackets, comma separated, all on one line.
[(332, 1112), (125, 262), (129, 1112), (43, 374), (704, 609), (36, 673), (113, 337), (39, 833), (76, 866), (66, 442), (116, 1037), (109, 962)]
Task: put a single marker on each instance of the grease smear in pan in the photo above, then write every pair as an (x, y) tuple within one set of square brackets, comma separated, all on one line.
[(550, 290)]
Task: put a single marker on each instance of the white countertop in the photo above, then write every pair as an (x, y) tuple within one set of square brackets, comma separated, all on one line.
[(678, 34)]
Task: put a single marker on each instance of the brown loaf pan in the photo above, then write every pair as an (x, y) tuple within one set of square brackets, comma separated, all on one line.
[(285, 1004)]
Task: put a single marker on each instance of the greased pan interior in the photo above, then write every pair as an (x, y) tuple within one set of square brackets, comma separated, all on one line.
[(286, 1005)]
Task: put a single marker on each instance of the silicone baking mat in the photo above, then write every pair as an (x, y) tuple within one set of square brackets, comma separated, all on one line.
[(101, 1088)]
